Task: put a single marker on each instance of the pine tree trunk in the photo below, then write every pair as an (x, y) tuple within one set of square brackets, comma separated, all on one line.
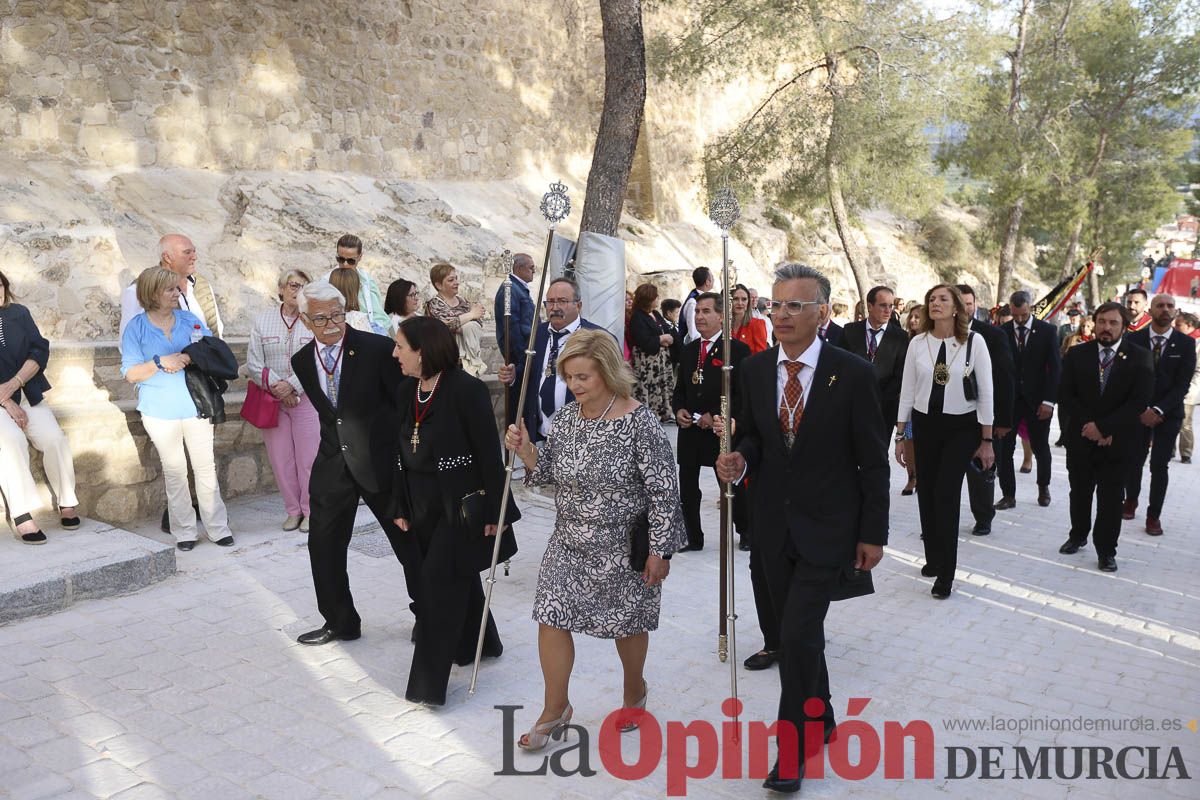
[(833, 179), (621, 119), (1012, 231), (1008, 251)]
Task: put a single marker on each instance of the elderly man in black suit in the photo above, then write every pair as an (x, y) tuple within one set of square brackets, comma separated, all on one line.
[(1174, 356), (1106, 383), (981, 486), (811, 438), (1034, 347), (547, 392), (351, 378), (883, 343), (696, 400)]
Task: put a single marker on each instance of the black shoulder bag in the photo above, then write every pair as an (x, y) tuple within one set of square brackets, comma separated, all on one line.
[(970, 386)]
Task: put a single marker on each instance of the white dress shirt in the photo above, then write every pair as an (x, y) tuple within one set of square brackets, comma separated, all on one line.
[(560, 386), (809, 359), (878, 337), (1115, 346), (918, 377)]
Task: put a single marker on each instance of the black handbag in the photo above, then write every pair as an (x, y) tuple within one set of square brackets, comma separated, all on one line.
[(639, 542), (850, 583), (970, 385), (472, 512)]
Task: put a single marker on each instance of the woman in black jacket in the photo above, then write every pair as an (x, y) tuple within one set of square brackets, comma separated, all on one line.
[(653, 377), (24, 418), (448, 481)]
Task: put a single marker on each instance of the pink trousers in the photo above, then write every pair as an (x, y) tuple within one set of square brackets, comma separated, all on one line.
[(292, 447)]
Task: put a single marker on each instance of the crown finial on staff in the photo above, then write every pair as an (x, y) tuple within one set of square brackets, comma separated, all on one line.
[(556, 205), (723, 208)]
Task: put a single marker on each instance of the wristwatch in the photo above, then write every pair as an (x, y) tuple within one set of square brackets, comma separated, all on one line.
[(158, 363)]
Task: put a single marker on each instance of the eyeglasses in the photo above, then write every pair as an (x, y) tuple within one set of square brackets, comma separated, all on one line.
[(791, 308), (295, 286), (320, 320), (555, 302), (350, 261)]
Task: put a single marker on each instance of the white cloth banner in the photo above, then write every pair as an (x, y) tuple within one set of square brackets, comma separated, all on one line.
[(600, 272)]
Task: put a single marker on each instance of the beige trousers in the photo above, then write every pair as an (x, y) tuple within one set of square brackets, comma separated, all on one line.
[(177, 441), (16, 479), (1187, 438), (470, 339)]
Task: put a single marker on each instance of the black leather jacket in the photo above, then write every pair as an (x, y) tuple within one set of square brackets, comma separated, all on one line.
[(213, 366)]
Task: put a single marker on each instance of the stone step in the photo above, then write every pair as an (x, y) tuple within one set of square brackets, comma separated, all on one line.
[(97, 560)]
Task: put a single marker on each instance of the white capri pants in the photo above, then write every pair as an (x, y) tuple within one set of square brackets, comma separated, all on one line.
[(172, 437), (16, 479)]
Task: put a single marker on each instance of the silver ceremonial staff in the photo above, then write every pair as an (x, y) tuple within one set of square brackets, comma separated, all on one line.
[(555, 207), (507, 337), (723, 209)]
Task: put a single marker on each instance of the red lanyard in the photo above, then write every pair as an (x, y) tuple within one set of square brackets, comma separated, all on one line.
[(285, 322), (329, 373)]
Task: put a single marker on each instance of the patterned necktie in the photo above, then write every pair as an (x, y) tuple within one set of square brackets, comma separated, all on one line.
[(873, 344), (546, 391), (1021, 333), (791, 408), (329, 357), (1105, 367), (1160, 343)]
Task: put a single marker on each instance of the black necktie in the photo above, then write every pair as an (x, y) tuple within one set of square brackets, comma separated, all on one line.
[(1160, 342), (1105, 367), (873, 344), (546, 391), (1021, 332)]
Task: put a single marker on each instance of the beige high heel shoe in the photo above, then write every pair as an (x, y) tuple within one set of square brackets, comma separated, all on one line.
[(540, 735), (631, 722)]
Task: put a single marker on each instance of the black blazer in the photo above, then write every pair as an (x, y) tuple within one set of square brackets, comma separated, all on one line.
[(831, 490), (1116, 411), (1003, 372), (1172, 374), (361, 431), (23, 341), (1037, 367), (468, 456), (532, 409), (644, 330), (890, 351), (834, 333), (697, 446)]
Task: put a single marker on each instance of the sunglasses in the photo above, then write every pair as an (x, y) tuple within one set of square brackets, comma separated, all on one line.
[(350, 261)]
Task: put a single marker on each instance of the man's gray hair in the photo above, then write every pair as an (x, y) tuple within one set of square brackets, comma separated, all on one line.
[(795, 271), (569, 282), (1020, 299), (320, 291)]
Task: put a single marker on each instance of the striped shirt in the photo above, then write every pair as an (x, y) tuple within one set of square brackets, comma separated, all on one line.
[(272, 345)]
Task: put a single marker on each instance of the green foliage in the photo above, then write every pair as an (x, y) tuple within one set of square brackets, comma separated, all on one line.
[(946, 244), (777, 219)]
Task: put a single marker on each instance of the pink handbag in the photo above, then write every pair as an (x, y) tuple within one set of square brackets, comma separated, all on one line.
[(261, 408)]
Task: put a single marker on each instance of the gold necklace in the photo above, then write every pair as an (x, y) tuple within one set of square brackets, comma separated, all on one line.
[(941, 370)]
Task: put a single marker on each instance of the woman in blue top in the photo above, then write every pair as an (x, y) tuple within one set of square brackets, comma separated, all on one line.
[(24, 418), (152, 359)]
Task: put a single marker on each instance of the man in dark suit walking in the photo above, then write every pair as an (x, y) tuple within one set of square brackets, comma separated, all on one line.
[(811, 438), (520, 322), (547, 391), (1105, 385), (1174, 356), (884, 344), (830, 332), (1034, 347), (981, 486), (696, 400), (351, 379)]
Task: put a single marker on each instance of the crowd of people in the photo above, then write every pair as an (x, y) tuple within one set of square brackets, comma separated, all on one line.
[(365, 396)]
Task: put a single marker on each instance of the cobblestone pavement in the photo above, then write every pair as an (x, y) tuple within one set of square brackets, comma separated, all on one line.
[(196, 688)]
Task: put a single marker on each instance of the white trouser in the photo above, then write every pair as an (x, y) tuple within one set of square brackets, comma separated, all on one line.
[(171, 437), (16, 480)]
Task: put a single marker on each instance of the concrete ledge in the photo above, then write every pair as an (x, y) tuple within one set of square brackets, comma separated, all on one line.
[(97, 560)]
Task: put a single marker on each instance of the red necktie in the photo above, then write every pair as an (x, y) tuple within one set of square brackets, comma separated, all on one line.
[(791, 409)]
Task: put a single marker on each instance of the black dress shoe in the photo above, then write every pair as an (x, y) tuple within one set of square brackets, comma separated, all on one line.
[(1006, 503), (981, 530), (929, 571), (782, 785), (744, 544), (940, 590), (226, 541), (186, 546), (1071, 547), (325, 635), (761, 660), (1043, 496), (1108, 563)]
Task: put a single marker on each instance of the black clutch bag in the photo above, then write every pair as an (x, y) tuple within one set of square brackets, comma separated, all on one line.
[(970, 386), (639, 542), (850, 583), (472, 512)]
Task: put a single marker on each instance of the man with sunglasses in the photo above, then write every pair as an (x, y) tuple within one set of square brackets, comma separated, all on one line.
[(349, 256)]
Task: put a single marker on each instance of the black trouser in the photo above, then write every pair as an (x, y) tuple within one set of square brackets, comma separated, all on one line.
[(944, 444), (690, 497), (1039, 440), (451, 602), (1093, 472), (768, 622), (799, 593), (333, 506), (1160, 441), (514, 394)]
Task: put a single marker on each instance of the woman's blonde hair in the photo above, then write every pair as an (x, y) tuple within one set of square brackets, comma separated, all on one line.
[(151, 283), (914, 310), (439, 272), (601, 348), (962, 321), (346, 281), (287, 275)]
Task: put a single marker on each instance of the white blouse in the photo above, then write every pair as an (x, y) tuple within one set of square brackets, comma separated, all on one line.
[(918, 377), (272, 345)]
